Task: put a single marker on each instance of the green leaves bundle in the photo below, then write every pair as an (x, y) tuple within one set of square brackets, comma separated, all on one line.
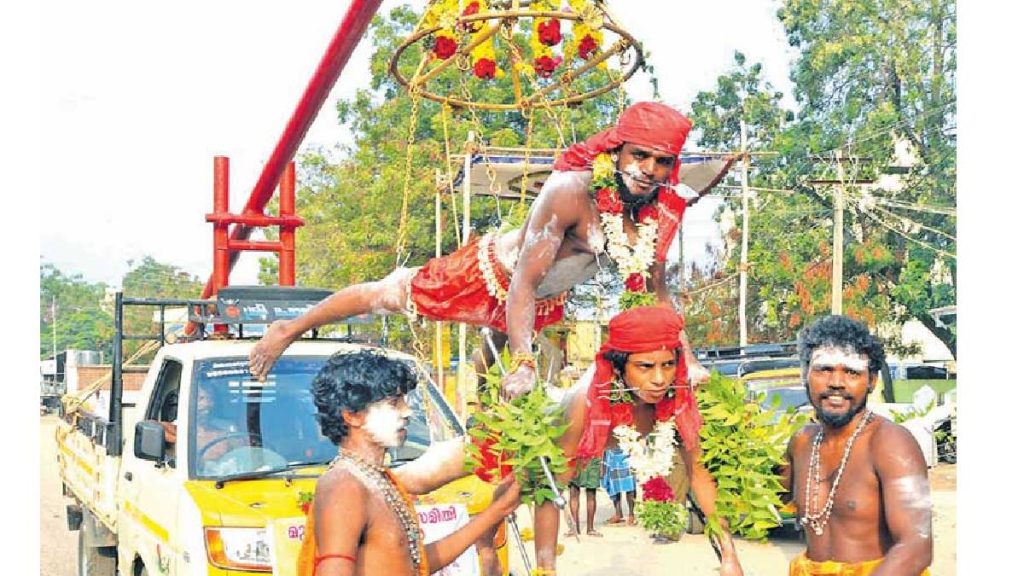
[(518, 434), (742, 448)]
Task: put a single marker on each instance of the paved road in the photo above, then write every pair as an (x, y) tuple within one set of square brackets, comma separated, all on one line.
[(57, 545)]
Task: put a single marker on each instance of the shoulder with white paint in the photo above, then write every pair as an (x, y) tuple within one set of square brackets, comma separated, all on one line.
[(570, 183), (892, 445)]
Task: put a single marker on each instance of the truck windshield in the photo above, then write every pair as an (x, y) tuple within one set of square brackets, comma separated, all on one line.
[(242, 426)]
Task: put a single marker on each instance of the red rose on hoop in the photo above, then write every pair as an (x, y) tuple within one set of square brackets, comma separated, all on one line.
[(648, 212), (546, 65), (658, 490), (635, 282), (484, 69), (586, 48), (471, 8), (549, 32), (608, 201), (444, 47)]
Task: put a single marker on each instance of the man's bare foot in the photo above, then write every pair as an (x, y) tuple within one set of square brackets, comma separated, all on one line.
[(631, 521), (614, 521), (593, 532), (268, 350)]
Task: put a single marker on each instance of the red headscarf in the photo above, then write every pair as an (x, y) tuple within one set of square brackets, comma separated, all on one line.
[(642, 329), (647, 124)]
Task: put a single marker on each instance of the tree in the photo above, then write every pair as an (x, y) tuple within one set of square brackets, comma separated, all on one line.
[(74, 305), (151, 279), (871, 76)]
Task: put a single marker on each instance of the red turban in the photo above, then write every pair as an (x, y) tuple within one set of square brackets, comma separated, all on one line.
[(643, 329), (648, 124)]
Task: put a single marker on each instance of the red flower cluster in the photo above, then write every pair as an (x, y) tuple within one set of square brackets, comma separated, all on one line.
[(658, 490), (472, 8), (485, 69), (444, 47), (608, 201), (549, 32), (648, 212), (587, 47), (546, 65), (489, 465), (635, 282)]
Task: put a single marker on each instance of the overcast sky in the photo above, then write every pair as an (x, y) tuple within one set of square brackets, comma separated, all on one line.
[(138, 97)]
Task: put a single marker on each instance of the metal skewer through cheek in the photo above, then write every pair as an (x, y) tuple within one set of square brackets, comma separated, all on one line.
[(558, 499)]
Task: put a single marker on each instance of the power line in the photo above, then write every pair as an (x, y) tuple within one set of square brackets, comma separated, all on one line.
[(918, 207), (914, 240), (907, 221)]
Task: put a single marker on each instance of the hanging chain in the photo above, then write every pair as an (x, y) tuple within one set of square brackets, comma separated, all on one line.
[(403, 222), (448, 166)]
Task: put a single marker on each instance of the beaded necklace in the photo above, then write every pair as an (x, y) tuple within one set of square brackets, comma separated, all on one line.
[(396, 498), (819, 520)]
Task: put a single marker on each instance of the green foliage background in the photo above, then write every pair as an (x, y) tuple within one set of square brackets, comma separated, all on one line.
[(868, 74)]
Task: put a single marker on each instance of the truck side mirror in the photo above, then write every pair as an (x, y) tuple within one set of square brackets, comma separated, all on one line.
[(149, 441)]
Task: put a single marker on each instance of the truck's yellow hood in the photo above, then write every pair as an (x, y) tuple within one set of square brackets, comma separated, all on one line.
[(254, 502)]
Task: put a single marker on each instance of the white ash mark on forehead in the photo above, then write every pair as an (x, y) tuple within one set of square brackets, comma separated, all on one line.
[(830, 356)]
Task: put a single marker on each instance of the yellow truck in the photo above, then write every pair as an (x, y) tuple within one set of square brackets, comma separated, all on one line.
[(209, 472)]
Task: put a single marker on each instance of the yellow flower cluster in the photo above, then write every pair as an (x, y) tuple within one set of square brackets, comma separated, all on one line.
[(590, 26), (441, 13), (604, 167)]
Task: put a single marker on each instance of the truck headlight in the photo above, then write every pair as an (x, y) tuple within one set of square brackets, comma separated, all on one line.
[(239, 548)]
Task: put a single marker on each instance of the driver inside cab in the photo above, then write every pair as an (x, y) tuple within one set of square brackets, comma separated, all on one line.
[(216, 434)]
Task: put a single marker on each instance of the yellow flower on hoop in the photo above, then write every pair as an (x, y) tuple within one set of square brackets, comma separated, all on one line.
[(586, 40), (484, 62), (440, 13)]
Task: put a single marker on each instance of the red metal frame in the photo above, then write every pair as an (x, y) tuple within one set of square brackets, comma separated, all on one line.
[(224, 246), (228, 245)]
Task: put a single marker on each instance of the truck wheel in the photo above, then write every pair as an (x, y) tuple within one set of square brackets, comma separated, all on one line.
[(95, 561)]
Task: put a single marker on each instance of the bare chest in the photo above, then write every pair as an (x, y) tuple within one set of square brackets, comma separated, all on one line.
[(830, 492)]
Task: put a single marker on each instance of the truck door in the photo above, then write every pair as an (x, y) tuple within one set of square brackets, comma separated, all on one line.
[(152, 489)]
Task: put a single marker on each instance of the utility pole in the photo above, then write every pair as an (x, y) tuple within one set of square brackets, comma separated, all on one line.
[(53, 324), (838, 208), (746, 233), (839, 205)]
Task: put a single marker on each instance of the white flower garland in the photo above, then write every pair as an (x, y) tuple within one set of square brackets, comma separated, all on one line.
[(630, 260), (651, 456)]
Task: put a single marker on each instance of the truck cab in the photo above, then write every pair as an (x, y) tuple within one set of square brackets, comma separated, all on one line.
[(216, 469)]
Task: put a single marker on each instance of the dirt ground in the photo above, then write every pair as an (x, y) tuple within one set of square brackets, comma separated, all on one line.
[(627, 551), (623, 551)]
